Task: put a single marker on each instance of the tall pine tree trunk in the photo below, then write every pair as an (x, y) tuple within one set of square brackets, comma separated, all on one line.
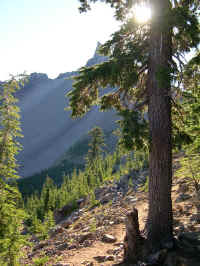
[(159, 222)]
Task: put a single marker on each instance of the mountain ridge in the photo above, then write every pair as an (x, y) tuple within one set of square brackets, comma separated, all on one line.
[(49, 130)]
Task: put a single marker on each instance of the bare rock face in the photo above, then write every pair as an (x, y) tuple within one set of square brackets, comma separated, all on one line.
[(97, 58)]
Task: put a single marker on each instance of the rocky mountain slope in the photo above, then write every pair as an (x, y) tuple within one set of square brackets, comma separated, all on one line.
[(94, 235), (48, 130)]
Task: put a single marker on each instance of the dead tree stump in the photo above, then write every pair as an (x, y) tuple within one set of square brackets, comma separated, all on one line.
[(133, 241)]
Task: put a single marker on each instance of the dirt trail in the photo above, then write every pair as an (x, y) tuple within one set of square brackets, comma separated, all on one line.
[(78, 257), (85, 256)]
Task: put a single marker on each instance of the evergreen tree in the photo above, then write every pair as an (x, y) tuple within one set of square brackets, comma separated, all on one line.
[(191, 122), (93, 157), (48, 195), (96, 144), (10, 130), (145, 65), (11, 216)]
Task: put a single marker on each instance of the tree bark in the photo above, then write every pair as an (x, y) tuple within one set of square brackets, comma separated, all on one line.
[(133, 241), (159, 223)]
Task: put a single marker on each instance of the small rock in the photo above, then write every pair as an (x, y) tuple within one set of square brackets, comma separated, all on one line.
[(61, 264), (195, 218), (131, 199), (51, 252), (24, 231), (87, 243), (85, 236), (110, 251), (120, 220), (66, 223), (110, 258), (86, 229), (183, 197), (63, 212), (108, 197), (80, 202), (104, 258), (40, 245), (100, 258), (56, 230), (32, 254), (183, 188), (109, 238), (73, 246), (87, 263), (78, 226), (57, 243), (63, 246), (34, 239), (119, 244)]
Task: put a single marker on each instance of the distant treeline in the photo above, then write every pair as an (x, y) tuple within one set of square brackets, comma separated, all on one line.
[(72, 159)]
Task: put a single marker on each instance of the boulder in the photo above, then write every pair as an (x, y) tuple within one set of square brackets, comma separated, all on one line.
[(60, 214)]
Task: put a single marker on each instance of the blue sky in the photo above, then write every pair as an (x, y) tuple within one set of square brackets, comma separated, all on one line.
[(50, 36)]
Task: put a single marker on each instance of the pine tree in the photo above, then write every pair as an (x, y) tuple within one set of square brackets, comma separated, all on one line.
[(47, 194), (11, 219), (11, 216), (191, 122), (10, 130), (96, 144), (94, 154), (145, 66)]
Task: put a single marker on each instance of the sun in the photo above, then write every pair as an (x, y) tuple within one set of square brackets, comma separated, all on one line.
[(141, 13)]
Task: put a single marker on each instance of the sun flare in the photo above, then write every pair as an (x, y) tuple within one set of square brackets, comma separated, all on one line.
[(142, 13)]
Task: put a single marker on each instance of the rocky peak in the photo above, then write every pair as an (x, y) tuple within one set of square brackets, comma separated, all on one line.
[(97, 48), (97, 58), (67, 75), (38, 76)]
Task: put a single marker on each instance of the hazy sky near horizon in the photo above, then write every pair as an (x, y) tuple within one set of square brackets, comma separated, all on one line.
[(50, 36)]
